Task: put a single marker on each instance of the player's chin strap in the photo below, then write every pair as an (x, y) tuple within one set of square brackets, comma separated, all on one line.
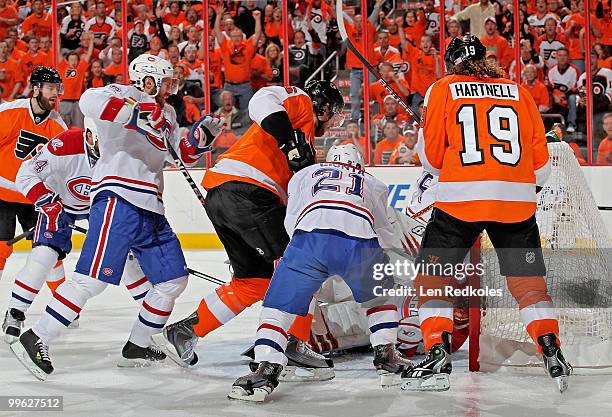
[(360, 57)]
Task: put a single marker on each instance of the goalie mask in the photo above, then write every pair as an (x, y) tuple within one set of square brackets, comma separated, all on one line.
[(158, 69), (346, 154), (90, 136)]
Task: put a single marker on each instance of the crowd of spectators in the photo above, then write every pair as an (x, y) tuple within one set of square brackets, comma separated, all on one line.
[(245, 51)]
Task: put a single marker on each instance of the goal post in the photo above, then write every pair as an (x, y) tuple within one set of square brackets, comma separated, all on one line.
[(576, 250)]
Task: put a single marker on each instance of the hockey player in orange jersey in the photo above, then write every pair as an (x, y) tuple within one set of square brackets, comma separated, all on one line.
[(483, 136), (246, 203), (26, 125)]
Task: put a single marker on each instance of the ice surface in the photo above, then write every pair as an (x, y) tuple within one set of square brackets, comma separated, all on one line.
[(87, 376)]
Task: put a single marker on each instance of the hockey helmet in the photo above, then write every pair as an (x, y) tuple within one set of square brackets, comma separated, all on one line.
[(468, 48), (41, 75), (325, 97), (347, 154), (147, 65), (90, 136)]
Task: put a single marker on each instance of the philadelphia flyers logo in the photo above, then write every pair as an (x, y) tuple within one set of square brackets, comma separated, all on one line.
[(71, 73), (79, 188), (28, 144)]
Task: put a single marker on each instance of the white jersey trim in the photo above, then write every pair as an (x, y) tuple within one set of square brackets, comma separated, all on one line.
[(458, 192)]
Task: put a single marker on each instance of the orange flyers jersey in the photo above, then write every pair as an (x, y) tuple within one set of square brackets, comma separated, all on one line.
[(485, 139), (256, 158), (21, 138)]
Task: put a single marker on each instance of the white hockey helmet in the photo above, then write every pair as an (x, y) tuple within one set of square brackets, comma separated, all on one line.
[(90, 136), (147, 65), (347, 154)]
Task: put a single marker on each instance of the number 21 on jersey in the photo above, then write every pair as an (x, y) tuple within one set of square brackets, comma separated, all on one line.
[(502, 125), (329, 179)]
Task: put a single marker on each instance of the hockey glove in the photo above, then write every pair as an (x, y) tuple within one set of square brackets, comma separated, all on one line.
[(299, 151), (147, 118), (204, 132), (50, 206)]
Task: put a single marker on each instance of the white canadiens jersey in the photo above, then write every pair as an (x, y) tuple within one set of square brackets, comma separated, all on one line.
[(423, 198), (131, 163), (336, 196), (62, 167)]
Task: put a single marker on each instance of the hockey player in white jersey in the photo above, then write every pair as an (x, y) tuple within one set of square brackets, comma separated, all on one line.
[(57, 181), (135, 126), (337, 220)]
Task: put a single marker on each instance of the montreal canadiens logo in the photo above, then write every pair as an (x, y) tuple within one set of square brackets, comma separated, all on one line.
[(107, 271), (80, 187), (48, 235)]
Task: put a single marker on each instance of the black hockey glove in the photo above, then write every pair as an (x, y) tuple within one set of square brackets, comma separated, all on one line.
[(299, 151)]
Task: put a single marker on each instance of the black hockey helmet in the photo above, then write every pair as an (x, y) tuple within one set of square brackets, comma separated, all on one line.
[(325, 96), (468, 48), (44, 75)]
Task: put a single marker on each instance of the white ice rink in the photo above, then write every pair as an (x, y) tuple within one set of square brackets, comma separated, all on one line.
[(87, 376)]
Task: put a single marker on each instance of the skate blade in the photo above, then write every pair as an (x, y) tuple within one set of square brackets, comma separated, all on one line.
[(22, 355), (10, 339), (160, 340), (299, 374), (238, 393), (437, 382), (136, 363), (562, 383), (389, 380)]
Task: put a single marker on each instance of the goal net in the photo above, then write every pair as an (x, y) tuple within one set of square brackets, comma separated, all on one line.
[(579, 278)]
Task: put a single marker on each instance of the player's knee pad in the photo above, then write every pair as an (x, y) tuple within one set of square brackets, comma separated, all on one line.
[(90, 287), (528, 290), (171, 289), (42, 258)]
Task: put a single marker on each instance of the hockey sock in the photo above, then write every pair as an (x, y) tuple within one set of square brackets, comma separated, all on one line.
[(535, 306), (31, 278), (66, 304), (227, 301), (436, 317), (135, 280), (56, 277), (271, 337), (155, 311), (301, 325), (383, 323), (5, 252)]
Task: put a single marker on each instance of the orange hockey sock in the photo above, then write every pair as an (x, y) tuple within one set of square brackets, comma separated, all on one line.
[(55, 280), (5, 252), (433, 328), (227, 301), (301, 327)]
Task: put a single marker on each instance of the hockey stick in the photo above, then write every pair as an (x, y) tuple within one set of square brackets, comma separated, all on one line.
[(22, 236), (183, 169), (360, 57)]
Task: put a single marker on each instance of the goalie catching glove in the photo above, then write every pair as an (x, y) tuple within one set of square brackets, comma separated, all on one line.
[(50, 205), (299, 151)]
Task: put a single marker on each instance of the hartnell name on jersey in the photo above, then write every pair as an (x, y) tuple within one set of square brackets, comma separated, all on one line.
[(484, 90)]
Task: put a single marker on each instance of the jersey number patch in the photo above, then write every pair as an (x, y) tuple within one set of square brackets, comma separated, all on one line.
[(329, 179), (502, 125), (28, 144)]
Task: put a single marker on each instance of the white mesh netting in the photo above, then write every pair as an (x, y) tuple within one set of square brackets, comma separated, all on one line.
[(579, 277)]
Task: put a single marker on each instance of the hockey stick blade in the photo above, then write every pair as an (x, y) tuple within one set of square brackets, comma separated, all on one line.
[(361, 58)]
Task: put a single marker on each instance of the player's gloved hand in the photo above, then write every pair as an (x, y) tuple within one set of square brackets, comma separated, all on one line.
[(204, 132), (146, 118), (50, 205), (299, 151)]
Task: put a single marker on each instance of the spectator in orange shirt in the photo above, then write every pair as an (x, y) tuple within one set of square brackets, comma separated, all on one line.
[(194, 68), (604, 151), (45, 46), (237, 57), (8, 18), (538, 90), (391, 111), (399, 85), (10, 74), (73, 70), (156, 48), (385, 147), (385, 52), (261, 72), (425, 68), (353, 137), (16, 47), (453, 27), (392, 26), (97, 78), (414, 27), (405, 153), (38, 23), (496, 43), (176, 16), (116, 66), (33, 58)]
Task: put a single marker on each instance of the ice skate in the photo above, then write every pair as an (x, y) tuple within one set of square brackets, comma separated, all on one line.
[(134, 356), (554, 362), (257, 385), (178, 341), (390, 364), (33, 354), (12, 325), (432, 373), (304, 364)]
